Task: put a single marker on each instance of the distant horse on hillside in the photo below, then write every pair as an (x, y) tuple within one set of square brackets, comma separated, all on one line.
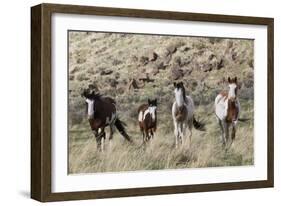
[(227, 109), (102, 113), (147, 117), (183, 114)]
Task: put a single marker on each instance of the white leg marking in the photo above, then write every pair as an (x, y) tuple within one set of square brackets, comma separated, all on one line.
[(102, 144), (176, 132)]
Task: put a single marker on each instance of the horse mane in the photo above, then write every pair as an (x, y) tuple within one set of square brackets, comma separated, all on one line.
[(97, 96), (183, 91), (91, 94), (184, 95), (102, 98)]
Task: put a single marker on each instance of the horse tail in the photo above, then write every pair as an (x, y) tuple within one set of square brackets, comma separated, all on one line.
[(198, 125), (121, 128)]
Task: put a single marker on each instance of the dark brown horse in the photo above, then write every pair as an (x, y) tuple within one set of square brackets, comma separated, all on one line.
[(147, 117), (102, 113)]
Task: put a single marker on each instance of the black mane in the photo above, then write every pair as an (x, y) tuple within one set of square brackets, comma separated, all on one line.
[(91, 94)]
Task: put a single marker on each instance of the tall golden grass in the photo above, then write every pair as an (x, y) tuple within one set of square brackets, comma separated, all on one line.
[(206, 149)]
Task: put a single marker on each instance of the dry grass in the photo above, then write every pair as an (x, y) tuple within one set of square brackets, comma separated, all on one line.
[(206, 150)]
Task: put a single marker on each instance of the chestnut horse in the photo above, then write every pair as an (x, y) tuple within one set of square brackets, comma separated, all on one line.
[(227, 109), (147, 117), (102, 113), (183, 114)]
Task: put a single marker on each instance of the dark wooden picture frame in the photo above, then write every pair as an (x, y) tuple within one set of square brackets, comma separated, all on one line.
[(41, 118)]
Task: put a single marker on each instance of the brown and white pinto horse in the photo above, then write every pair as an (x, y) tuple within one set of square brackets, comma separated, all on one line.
[(147, 117), (102, 113), (183, 114), (227, 109)]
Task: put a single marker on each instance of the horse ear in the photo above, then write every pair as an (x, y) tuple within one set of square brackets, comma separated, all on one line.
[(155, 101), (235, 79), (148, 101), (175, 84), (229, 80)]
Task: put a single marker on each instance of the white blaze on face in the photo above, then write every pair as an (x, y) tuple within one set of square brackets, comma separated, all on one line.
[(179, 97), (152, 111), (90, 107), (231, 93)]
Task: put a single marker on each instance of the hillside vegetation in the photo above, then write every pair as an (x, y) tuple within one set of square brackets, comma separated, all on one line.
[(132, 68)]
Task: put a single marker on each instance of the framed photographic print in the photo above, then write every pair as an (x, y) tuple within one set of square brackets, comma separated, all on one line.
[(130, 102)]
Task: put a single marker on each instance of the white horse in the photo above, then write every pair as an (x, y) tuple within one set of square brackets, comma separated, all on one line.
[(227, 109), (183, 114)]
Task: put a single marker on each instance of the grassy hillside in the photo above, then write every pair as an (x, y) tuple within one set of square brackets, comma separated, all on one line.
[(131, 68)]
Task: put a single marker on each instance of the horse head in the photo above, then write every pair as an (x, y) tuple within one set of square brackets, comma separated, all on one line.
[(179, 93), (152, 107), (233, 88), (90, 97)]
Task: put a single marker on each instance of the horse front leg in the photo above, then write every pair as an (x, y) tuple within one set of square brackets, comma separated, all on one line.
[(98, 139), (176, 133), (233, 132), (181, 132), (225, 132), (228, 142), (151, 134), (222, 131), (146, 134), (103, 137), (151, 137), (143, 137)]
